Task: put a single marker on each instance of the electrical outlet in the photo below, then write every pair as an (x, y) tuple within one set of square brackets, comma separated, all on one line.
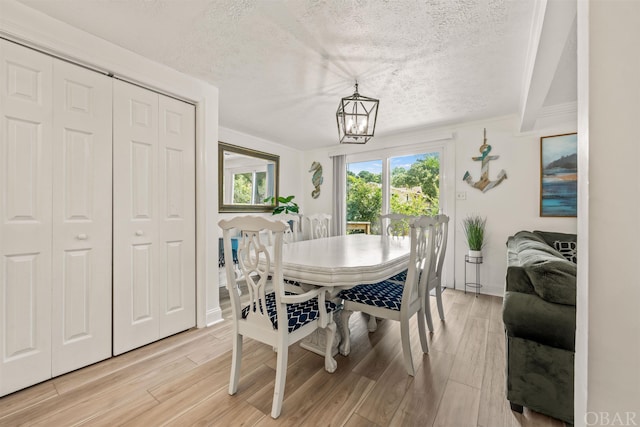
[(461, 195)]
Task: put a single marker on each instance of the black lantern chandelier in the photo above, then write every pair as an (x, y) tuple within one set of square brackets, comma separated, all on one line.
[(356, 118)]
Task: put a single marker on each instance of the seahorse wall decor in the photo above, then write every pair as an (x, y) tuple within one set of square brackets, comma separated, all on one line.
[(484, 184), (316, 178)]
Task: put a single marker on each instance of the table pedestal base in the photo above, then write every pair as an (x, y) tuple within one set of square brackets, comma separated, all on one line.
[(317, 341)]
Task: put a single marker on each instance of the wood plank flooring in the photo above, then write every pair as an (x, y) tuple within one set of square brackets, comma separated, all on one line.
[(183, 380)]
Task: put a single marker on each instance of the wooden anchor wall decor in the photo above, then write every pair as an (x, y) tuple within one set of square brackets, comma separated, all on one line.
[(485, 184)]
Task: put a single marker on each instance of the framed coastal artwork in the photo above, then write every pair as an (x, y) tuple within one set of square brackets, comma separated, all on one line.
[(559, 175)]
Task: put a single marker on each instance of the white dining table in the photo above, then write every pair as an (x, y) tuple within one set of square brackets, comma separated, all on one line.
[(345, 261), (341, 262)]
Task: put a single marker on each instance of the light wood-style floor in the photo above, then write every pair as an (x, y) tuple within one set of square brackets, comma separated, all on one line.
[(183, 381)]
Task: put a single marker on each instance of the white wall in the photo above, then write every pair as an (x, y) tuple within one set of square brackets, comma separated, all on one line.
[(323, 204), (290, 172), (290, 166), (608, 336), (511, 206)]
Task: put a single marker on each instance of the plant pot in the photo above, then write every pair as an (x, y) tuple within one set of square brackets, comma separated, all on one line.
[(475, 254)]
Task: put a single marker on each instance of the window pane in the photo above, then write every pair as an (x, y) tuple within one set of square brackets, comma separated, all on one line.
[(260, 187), (242, 188), (415, 184), (364, 196)]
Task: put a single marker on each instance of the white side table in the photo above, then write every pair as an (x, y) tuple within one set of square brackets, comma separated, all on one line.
[(477, 261)]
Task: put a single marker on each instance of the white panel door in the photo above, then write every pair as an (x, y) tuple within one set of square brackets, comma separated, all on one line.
[(135, 217), (25, 216), (177, 216), (81, 300)]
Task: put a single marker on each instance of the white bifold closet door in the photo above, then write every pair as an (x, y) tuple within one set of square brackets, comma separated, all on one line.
[(55, 217), (82, 174), (154, 217), (26, 205)]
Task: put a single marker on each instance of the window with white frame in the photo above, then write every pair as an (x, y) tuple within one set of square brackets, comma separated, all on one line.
[(400, 181)]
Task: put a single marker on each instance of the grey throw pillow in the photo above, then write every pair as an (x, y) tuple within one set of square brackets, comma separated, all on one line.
[(567, 249)]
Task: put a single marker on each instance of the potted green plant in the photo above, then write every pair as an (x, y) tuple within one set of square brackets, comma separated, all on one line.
[(474, 228), (283, 204)]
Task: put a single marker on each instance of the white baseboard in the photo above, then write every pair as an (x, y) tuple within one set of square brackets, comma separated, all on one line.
[(485, 290), (214, 316)]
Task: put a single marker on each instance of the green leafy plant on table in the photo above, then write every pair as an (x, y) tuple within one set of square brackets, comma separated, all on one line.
[(283, 204)]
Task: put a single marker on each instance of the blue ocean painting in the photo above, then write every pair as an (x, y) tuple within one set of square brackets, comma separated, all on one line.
[(559, 188)]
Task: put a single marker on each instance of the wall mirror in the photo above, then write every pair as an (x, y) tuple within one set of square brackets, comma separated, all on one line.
[(245, 178)]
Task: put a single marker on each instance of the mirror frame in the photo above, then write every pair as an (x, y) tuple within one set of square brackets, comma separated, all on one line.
[(222, 207)]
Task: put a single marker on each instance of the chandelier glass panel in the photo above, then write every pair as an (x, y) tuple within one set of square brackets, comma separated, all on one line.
[(356, 118)]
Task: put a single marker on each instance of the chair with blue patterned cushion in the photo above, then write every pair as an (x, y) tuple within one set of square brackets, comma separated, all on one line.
[(396, 226), (267, 309), (440, 233), (396, 301)]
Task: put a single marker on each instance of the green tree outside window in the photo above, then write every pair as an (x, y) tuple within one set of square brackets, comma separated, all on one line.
[(414, 191)]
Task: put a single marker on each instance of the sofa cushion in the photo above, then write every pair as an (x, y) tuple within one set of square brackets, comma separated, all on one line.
[(529, 317), (554, 280), (540, 268)]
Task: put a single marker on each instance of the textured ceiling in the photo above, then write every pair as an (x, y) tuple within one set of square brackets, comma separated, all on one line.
[(282, 66)]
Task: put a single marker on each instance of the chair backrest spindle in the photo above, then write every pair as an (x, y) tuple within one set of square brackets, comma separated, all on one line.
[(291, 233), (396, 225), (441, 231), (319, 225), (257, 265), (421, 256)]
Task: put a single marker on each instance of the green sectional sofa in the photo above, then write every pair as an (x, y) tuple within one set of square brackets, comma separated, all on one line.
[(539, 314)]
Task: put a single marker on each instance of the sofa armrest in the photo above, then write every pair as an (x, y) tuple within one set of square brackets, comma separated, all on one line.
[(530, 317), (518, 280), (554, 280)]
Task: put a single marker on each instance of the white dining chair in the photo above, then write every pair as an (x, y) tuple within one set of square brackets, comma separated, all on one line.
[(271, 316), (395, 225), (440, 233), (319, 225), (394, 301), (292, 234)]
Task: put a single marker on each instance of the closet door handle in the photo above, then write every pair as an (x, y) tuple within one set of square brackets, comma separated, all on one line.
[(82, 236), (139, 233)]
